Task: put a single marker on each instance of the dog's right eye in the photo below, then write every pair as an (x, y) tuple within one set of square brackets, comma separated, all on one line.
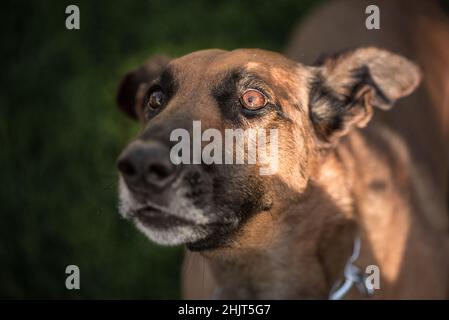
[(156, 99), (253, 100)]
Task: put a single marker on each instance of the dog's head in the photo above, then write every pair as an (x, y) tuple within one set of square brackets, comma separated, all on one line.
[(190, 177)]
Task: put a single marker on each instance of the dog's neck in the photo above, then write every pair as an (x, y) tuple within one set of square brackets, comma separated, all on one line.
[(297, 253)]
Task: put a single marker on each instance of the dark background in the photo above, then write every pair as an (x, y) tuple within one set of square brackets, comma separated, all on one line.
[(61, 132)]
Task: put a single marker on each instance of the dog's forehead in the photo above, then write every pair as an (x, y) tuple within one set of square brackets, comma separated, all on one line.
[(214, 62)]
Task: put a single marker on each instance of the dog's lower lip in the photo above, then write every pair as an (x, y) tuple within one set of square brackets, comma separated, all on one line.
[(155, 218)]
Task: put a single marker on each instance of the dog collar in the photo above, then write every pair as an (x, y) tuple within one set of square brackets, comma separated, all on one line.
[(352, 276)]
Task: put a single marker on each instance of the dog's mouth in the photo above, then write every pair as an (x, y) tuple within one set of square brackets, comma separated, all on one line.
[(185, 202), (153, 217), (183, 213)]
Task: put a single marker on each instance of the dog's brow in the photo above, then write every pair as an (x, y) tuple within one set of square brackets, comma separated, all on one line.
[(226, 83), (232, 75), (251, 79), (167, 79), (242, 77)]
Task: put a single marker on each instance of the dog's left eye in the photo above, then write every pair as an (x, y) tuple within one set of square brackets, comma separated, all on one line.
[(156, 99), (253, 99)]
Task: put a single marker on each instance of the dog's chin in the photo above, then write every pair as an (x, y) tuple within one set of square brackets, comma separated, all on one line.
[(195, 236), (171, 231), (173, 235)]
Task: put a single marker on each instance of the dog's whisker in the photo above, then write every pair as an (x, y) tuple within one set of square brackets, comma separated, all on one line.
[(273, 226), (203, 276), (155, 206)]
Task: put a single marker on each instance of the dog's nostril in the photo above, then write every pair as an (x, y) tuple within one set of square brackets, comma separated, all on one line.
[(126, 168)]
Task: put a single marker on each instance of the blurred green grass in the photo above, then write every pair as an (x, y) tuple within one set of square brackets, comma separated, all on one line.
[(60, 133)]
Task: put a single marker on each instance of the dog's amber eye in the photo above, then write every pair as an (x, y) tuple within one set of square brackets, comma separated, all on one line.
[(253, 99), (156, 99)]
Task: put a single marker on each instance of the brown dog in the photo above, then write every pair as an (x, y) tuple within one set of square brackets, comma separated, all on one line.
[(291, 234)]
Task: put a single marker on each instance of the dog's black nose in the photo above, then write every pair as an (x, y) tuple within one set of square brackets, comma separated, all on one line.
[(146, 164)]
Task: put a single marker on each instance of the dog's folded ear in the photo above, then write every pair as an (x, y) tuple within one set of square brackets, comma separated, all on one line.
[(137, 80), (347, 86)]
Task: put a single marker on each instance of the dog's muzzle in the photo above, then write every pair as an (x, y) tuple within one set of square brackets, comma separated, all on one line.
[(172, 204)]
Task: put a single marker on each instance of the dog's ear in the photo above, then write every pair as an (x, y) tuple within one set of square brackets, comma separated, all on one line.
[(135, 80), (346, 87)]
